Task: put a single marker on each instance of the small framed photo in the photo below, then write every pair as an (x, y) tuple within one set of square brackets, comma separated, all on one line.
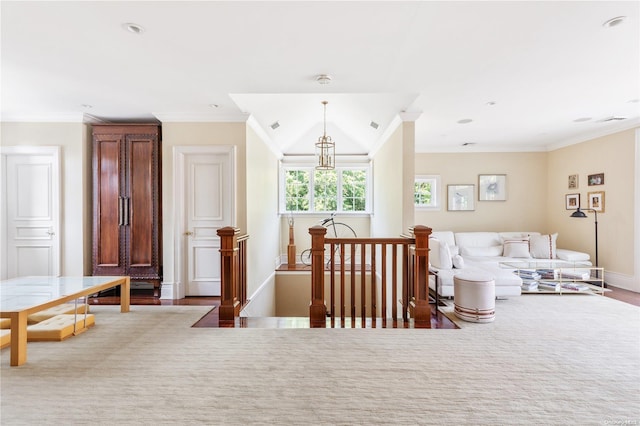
[(492, 187), (572, 201), (573, 181), (596, 201), (460, 197), (597, 179)]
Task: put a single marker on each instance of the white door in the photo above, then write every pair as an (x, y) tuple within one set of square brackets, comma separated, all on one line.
[(208, 206), (31, 211)]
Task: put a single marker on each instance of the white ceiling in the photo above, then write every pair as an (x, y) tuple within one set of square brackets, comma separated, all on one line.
[(544, 64)]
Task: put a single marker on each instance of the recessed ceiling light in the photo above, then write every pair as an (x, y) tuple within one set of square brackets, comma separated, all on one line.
[(582, 119), (323, 78), (614, 22), (133, 28), (465, 121)]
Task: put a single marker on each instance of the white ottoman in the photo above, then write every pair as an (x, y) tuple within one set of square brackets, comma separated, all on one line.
[(474, 297)]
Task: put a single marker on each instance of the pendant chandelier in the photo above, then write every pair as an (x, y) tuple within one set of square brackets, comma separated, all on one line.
[(325, 147)]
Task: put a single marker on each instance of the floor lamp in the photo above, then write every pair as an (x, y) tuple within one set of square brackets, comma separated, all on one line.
[(580, 213)]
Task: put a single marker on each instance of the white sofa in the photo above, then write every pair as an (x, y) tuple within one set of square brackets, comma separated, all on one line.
[(451, 253)]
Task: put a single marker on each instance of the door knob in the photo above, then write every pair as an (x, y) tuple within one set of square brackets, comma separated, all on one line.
[(188, 233)]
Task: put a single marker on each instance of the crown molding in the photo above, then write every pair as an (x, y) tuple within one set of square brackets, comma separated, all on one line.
[(587, 136), (58, 117), (187, 117)]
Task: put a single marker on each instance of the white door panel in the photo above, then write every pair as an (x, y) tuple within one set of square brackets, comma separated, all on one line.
[(208, 207), (31, 213)]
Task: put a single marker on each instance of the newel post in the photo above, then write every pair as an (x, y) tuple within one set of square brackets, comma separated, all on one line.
[(422, 309), (317, 308), (229, 303)]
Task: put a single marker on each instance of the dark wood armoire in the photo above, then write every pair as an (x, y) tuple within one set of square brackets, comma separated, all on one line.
[(127, 218)]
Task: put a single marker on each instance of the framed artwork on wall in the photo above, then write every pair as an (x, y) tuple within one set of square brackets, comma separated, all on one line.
[(572, 201), (492, 187), (597, 179), (573, 181), (460, 197), (596, 201)]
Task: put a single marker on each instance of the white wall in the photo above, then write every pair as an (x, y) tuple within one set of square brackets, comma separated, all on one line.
[(75, 140), (263, 225), (194, 134), (525, 208), (615, 156)]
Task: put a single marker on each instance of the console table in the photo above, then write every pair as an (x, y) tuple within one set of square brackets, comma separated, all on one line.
[(21, 297)]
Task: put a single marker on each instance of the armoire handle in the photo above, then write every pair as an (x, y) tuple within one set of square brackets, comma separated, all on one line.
[(120, 212), (126, 211)]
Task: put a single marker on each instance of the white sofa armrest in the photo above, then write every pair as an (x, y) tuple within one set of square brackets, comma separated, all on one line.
[(571, 255)]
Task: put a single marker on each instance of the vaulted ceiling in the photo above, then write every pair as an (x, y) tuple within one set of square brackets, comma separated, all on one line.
[(476, 76)]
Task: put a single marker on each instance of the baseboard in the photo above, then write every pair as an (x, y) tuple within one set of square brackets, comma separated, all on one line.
[(623, 281), (171, 291), (260, 304)]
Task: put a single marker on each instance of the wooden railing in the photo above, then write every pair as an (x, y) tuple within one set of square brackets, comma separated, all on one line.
[(233, 274), (369, 257)]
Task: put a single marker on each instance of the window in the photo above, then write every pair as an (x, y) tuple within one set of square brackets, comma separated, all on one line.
[(426, 192), (345, 189)]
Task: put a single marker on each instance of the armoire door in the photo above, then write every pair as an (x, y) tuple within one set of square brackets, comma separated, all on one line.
[(109, 205), (141, 206)]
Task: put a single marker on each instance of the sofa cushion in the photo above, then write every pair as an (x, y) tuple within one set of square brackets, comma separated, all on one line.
[(458, 261), (543, 246), (439, 254), (572, 256), (479, 243), (517, 248), (492, 251)]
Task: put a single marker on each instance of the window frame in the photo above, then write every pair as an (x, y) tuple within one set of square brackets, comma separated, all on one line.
[(307, 164), (436, 203)]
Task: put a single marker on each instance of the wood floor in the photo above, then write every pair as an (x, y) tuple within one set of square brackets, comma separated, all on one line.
[(145, 297)]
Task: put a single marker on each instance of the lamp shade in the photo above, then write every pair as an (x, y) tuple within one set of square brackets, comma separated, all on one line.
[(578, 213)]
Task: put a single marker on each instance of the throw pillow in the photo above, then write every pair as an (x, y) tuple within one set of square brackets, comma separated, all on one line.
[(439, 254), (543, 246), (458, 261), (516, 248)]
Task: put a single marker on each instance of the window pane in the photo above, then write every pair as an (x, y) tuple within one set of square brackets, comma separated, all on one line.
[(423, 193), (325, 190), (354, 190), (297, 190)]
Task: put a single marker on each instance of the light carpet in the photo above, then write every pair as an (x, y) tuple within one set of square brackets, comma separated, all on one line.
[(544, 360)]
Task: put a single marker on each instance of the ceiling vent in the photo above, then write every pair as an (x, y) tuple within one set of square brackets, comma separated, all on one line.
[(275, 125), (374, 125)]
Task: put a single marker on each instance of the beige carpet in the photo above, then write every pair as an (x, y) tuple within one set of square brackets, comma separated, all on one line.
[(545, 360)]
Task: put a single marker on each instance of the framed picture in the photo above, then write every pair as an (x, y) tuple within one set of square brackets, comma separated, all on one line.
[(572, 201), (492, 187), (573, 181), (596, 201), (597, 179), (460, 197)]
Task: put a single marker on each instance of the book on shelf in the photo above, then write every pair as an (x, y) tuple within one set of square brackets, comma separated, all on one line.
[(528, 274), (549, 285), (529, 286), (575, 286)]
